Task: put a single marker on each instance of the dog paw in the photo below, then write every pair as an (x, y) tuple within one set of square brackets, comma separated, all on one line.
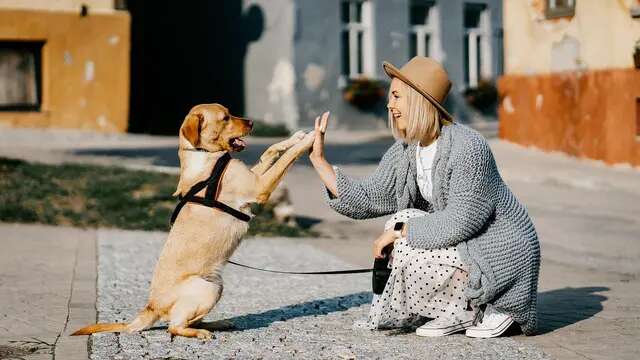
[(308, 139), (204, 334), (299, 135)]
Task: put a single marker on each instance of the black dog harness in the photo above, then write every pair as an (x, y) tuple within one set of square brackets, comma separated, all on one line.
[(212, 183)]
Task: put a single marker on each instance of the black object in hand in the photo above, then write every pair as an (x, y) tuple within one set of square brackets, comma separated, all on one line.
[(381, 272)]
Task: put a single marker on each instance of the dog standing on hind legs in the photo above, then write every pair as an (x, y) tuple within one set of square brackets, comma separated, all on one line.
[(187, 281)]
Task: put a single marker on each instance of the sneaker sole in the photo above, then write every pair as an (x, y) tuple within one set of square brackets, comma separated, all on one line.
[(444, 331), (489, 333)]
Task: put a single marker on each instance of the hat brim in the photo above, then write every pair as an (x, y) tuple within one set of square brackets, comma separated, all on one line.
[(394, 72)]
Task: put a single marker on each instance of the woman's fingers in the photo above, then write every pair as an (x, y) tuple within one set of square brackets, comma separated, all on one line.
[(317, 124), (324, 122)]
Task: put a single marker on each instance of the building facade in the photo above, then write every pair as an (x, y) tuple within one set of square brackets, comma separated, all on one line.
[(315, 56), (570, 81), (65, 64)]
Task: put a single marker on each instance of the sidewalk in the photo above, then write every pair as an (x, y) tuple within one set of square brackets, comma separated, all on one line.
[(585, 214), (270, 316), (47, 288)]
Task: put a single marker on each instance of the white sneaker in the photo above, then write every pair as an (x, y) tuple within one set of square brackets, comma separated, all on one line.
[(443, 327), (493, 324)]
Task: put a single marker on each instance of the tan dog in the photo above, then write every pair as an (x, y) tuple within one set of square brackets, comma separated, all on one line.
[(187, 281)]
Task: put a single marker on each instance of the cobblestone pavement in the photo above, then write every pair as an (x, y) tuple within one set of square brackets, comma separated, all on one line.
[(265, 315)]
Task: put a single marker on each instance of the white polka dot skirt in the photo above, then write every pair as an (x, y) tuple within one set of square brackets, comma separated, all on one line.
[(423, 284)]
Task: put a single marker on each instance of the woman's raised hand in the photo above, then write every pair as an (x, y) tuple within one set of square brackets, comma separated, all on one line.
[(317, 151), (322, 166)]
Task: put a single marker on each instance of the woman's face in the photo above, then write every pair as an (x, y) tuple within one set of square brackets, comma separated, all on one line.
[(397, 104)]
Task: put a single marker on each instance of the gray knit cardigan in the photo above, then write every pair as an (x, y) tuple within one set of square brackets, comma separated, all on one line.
[(472, 209)]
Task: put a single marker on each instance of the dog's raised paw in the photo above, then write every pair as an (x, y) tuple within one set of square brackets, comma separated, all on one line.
[(298, 135)]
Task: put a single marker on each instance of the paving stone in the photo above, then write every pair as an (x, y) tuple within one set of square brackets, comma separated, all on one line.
[(272, 316)]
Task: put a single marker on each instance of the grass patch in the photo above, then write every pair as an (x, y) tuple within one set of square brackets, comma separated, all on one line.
[(98, 196)]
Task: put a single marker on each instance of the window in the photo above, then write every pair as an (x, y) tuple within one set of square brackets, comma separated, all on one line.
[(20, 87), (477, 44), (424, 39), (560, 8), (356, 38)]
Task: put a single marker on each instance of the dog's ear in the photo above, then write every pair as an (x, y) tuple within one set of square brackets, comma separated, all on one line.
[(191, 128)]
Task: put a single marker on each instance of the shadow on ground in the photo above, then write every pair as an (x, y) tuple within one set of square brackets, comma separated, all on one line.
[(288, 312), (556, 309), (563, 307), (309, 308), (339, 154)]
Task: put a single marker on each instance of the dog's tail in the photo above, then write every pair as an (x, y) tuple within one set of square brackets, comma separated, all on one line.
[(144, 319)]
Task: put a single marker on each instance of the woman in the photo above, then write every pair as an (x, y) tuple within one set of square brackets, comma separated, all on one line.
[(465, 253)]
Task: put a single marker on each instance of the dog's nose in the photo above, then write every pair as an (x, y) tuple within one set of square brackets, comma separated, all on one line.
[(250, 122)]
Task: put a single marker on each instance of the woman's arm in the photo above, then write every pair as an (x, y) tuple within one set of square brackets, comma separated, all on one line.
[(320, 163), (469, 206), (359, 199)]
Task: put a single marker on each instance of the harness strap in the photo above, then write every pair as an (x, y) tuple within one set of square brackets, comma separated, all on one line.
[(211, 183), (222, 206)]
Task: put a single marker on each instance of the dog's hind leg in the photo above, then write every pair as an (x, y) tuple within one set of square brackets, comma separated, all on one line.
[(145, 319), (195, 299)]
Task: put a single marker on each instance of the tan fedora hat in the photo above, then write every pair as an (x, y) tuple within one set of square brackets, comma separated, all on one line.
[(427, 77)]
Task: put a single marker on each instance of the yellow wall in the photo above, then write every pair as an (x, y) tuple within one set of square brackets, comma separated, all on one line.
[(57, 5), (85, 68), (603, 29)]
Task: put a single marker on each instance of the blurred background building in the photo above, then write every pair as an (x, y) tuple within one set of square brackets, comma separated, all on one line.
[(570, 80), (64, 63), (315, 56), (569, 83)]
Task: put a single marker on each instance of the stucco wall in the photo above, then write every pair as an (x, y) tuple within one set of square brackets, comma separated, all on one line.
[(269, 70), (600, 35), (588, 114), (85, 68), (318, 60)]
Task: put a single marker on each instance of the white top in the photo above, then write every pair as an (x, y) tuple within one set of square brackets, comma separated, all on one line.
[(424, 163)]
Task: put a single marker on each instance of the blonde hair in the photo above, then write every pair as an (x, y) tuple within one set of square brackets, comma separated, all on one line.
[(424, 120)]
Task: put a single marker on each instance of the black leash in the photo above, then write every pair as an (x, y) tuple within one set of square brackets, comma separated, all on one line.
[(212, 183), (336, 272)]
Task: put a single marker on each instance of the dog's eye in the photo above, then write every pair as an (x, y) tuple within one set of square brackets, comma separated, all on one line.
[(226, 118)]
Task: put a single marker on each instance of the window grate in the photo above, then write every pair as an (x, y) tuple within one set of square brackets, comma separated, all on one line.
[(560, 8), (20, 75)]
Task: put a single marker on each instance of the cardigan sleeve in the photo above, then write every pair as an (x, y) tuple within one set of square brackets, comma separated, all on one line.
[(469, 205), (371, 196)]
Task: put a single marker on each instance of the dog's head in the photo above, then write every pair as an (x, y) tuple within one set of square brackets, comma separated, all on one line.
[(212, 128)]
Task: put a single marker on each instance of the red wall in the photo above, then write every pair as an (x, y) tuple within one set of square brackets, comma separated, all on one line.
[(590, 114)]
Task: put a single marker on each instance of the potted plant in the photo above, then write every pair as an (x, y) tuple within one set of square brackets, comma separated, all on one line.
[(484, 97), (636, 54), (364, 93)]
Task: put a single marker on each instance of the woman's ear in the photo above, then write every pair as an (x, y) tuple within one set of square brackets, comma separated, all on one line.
[(191, 128)]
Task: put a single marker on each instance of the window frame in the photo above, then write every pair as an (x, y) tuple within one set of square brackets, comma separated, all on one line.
[(37, 47), (478, 47), (354, 29), (430, 29), (552, 11)]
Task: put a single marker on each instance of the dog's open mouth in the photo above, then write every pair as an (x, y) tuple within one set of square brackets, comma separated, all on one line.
[(238, 144)]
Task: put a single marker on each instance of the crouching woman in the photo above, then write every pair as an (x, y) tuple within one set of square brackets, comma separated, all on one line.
[(465, 253)]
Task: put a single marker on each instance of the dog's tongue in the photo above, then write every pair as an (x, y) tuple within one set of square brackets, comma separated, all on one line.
[(239, 142)]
